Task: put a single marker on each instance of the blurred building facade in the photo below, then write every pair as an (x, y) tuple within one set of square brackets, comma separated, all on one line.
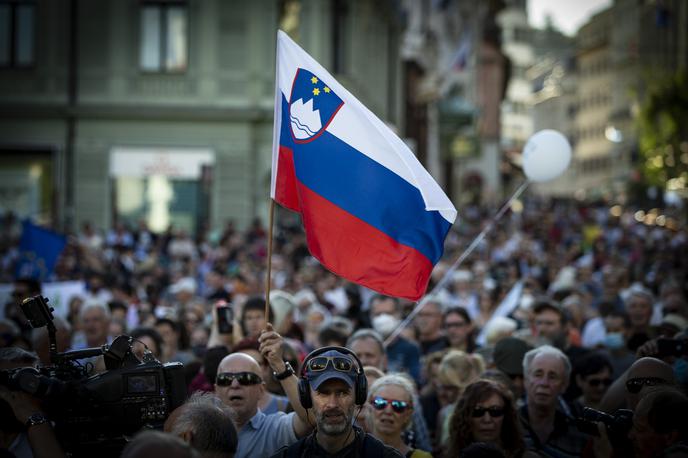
[(455, 79), (518, 45), (553, 80), (161, 111), (592, 159), (618, 53)]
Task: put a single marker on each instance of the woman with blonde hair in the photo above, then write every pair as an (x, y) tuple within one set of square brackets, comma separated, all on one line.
[(457, 370), (391, 401)]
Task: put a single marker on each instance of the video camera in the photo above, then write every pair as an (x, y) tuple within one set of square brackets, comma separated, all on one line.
[(618, 425), (95, 414)]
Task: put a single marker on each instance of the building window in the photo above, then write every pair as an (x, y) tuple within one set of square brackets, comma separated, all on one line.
[(17, 21), (164, 37)]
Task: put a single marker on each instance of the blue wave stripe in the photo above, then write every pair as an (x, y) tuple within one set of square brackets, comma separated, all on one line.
[(367, 190)]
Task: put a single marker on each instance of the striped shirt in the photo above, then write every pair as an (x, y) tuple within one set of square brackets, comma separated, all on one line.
[(565, 440)]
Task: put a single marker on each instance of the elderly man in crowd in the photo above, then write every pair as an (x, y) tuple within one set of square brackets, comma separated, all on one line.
[(548, 430)]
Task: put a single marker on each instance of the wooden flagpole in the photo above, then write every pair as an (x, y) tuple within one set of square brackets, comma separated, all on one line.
[(269, 273)]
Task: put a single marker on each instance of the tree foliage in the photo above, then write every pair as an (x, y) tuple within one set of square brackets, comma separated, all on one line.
[(663, 132)]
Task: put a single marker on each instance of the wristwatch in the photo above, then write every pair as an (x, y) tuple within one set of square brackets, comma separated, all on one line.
[(288, 372), (36, 419)]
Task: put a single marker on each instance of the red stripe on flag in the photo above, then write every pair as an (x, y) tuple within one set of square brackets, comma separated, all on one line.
[(286, 193), (359, 252)]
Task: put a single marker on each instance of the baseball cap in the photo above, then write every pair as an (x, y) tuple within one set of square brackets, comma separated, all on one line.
[(334, 368), (508, 355)]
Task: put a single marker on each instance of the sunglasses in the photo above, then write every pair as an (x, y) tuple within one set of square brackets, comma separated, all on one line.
[(595, 382), (380, 403), (319, 363), (244, 378), (634, 385), (494, 412)]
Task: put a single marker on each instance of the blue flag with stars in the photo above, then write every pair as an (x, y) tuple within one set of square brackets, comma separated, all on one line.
[(39, 249)]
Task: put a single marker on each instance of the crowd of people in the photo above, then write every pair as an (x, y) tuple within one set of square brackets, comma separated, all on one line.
[(565, 333)]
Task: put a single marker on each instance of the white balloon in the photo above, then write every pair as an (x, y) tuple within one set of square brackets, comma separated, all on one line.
[(547, 155)]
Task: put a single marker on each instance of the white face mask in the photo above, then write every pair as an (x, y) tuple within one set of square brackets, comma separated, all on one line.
[(385, 324)]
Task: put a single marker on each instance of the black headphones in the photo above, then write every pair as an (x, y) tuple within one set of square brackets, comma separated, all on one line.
[(360, 388)]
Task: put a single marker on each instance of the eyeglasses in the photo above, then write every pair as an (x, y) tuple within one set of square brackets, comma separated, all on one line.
[(244, 378), (339, 363), (380, 403), (494, 412), (595, 382), (634, 385)]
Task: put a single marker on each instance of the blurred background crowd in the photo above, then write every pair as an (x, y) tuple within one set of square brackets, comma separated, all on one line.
[(596, 284)]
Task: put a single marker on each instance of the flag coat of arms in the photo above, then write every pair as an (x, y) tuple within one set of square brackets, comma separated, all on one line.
[(372, 214)]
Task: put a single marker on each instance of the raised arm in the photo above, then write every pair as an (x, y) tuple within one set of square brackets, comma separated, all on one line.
[(271, 348)]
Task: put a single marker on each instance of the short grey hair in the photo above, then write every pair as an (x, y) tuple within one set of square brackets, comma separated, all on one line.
[(94, 305), (210, 422), (400, 380), (437, 300), (396, 379), (546, 350), (367, 334)]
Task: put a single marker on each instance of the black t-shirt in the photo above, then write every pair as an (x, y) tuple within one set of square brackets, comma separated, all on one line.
[(364, 445)]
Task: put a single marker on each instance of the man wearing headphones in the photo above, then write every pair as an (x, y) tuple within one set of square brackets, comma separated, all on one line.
[(332, 388)]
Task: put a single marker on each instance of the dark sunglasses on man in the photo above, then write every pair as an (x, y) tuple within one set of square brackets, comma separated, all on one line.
[(244, 378), (380, 403), (634, 385), (320, 363), (494, 412)]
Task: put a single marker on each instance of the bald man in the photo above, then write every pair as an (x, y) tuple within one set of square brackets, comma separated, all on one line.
[(240, 385), (628, 389)]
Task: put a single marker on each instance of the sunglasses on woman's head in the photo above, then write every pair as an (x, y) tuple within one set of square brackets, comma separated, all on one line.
[(380, 403), (244, 378), (339, 363), (634, 385), (494, 412)]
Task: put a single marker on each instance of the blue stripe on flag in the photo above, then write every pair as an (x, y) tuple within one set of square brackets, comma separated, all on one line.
[(367, 190)]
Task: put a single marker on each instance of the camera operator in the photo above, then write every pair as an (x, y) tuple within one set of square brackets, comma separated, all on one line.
[(24, 429)]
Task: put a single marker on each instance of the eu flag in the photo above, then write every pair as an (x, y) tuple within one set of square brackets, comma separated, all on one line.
[(38, 251)]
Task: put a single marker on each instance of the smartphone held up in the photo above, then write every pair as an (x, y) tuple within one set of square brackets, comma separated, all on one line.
[(225, 317)]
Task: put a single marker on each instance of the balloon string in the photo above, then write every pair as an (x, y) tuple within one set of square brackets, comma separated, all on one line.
[(467, 252)]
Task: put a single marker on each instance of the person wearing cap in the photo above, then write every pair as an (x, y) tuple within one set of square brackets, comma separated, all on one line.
[(508, 358), (333, 386), (240, 386)]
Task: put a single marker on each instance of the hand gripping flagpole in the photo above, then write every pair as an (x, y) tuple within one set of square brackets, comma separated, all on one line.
[(467, 252)]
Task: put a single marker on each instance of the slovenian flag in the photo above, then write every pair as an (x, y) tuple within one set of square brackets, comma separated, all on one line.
[(372, 214)]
